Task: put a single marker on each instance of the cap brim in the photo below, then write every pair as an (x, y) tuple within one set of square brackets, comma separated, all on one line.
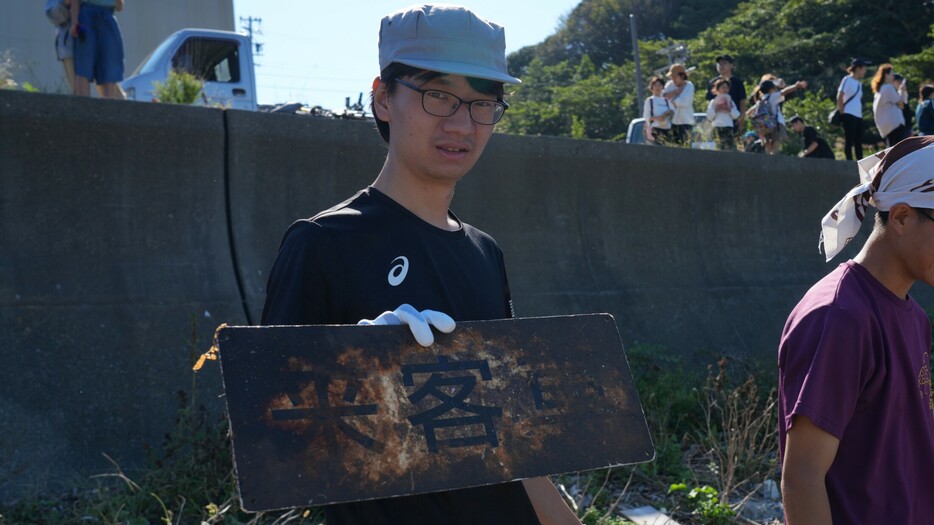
[(459, 68)]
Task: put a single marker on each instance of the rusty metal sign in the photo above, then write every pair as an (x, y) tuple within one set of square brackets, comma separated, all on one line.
[(329, 414)]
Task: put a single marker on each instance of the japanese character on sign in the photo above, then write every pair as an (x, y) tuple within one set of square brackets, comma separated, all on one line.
[(329, 416), (451, 383)]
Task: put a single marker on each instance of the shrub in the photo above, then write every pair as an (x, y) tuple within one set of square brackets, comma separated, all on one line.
[(179, 88)]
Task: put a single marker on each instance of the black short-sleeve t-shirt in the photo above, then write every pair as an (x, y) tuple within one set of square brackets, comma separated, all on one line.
[(367, 255), (823, 150)]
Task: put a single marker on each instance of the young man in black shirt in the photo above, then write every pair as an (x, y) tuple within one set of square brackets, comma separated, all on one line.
[(396, 248), (814, 146)]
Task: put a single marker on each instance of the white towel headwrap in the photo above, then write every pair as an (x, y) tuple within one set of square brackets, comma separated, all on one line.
[(903, 173)]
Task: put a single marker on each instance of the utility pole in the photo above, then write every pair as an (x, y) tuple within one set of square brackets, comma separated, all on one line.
[(635, 52), (248, 27)]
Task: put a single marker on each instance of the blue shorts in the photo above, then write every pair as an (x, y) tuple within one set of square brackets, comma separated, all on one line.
[(99, 55)]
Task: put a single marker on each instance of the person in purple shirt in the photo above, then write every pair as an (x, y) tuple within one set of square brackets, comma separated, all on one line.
[(856, 418)]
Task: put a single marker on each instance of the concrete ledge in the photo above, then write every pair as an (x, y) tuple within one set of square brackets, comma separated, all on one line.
[(114, 236)]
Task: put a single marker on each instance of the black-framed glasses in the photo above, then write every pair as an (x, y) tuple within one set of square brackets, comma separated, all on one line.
[(443, 104), (926, 216)]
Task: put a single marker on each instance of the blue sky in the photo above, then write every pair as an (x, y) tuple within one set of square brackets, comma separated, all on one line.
[(320, 52)]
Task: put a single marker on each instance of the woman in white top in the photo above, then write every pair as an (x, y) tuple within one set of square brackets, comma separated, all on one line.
[(722, 112), (850, 105), (887, 106), (657, 112), (680, 92)]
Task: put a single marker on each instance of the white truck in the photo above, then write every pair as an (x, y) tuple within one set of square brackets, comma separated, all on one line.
[(223, 60)]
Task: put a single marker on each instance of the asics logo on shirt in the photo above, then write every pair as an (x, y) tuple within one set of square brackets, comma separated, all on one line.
[(398, 271)]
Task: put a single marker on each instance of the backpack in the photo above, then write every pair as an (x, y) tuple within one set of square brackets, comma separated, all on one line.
[(763, 118), (57, 12)]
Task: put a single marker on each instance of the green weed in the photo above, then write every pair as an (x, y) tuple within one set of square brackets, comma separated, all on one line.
[(704, 503)]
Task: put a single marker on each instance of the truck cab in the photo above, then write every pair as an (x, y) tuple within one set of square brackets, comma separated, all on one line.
[(223, 60)]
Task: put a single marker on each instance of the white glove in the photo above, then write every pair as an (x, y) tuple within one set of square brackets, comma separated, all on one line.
[(419, 322)]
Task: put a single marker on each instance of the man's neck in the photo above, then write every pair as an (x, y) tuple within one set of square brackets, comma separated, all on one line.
[(428, 201), (878, 259)]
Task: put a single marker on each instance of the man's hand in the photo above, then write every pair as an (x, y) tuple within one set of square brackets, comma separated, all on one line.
[(419, 323)]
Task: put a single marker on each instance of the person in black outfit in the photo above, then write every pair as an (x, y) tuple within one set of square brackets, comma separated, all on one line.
[(814, 146), (396, 248), (737, 90)]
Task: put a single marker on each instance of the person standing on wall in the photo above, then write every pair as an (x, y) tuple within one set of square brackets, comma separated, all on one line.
[(781, 92), (887, 105), (394, 253), (657, 112), (901, 83), (855, 412), (680, 92), (850, 105), (924, 115), (722, 113), (98, 46), (59, 13), (725, 71)]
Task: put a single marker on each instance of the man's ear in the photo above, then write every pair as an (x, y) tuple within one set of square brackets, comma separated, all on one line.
[(381, 100), (899, 215)]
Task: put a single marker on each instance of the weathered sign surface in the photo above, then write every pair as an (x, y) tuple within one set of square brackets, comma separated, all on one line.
[(328, 414)]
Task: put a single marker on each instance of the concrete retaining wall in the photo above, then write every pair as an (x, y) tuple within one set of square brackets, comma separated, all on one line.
[(121, 224)]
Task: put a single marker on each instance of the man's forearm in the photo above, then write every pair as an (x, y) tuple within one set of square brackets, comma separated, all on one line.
[(548, 503), (805, 498)]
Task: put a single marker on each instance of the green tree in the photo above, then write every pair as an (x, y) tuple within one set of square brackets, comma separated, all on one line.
[(815, 39), (601, 29), (581, 101), (918, 67), (580, 81)]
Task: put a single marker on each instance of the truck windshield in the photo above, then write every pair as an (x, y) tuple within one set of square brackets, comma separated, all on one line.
[(149, 64), (210, 59)]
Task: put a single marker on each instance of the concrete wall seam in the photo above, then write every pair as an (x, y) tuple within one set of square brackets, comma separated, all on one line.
[(231, 239)]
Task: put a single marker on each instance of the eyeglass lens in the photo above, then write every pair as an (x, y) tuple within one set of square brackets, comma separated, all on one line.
[(442, 104)]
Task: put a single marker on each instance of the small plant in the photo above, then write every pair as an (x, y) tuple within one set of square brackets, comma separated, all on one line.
[(703, 503), (739, 432), (669, 401), (179, 88), (596, 517), (591, 494), (7, 66)]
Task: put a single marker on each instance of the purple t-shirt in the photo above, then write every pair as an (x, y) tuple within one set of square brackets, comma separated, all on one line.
[(854, 359)]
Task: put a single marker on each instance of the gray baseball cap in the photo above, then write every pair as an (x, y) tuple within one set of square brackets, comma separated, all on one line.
[(447, 39)]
